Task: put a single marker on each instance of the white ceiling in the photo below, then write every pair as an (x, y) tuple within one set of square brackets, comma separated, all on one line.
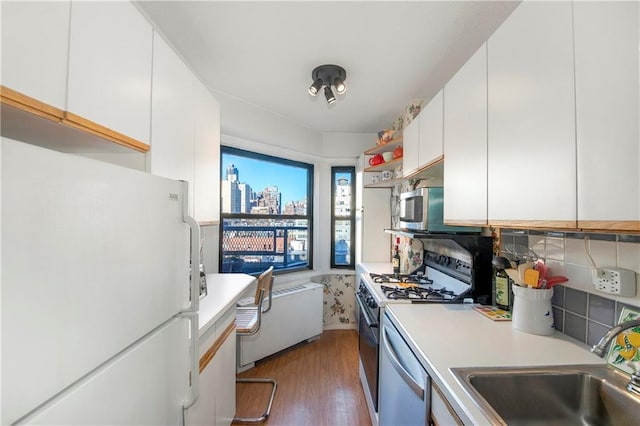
[(263, 52)]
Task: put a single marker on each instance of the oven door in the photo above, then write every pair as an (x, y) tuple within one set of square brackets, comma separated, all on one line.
[(368, 336)]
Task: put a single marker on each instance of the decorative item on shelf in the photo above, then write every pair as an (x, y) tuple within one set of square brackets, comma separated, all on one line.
[(397, 153), (387, 175), (385, 136), (376, 160), (387, 156)]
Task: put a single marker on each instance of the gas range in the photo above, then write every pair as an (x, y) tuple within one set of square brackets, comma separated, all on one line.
[(456, 269)]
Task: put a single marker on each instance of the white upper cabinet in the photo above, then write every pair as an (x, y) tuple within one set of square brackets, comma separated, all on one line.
[(110, 49), (185, 132), (465, 143), (206, 156), (431, 130), (172, 123), (606, 55), (422, 138), (531, 117), (35, 49), (411, 146)]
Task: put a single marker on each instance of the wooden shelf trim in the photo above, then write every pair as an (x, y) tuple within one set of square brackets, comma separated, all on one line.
[(29, 104), (434, 168), (389, 165), (211, 352), (608, 225), (389, 146), (389, 183), (80, 123), (33, 106)]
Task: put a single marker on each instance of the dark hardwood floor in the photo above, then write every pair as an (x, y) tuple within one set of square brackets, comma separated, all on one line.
[(318, 384)]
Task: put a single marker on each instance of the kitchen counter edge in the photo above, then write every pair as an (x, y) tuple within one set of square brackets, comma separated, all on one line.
[(224, 290), (449, 336)]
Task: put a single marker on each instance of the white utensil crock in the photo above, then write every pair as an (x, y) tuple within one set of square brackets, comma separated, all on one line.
[(532, 311)]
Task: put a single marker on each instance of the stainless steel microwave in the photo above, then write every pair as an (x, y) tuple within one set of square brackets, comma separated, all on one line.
[(423, 210)]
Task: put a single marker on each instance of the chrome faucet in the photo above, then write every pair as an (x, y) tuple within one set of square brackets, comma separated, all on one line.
[(600, 349)]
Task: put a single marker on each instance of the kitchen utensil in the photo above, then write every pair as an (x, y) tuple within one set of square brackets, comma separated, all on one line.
[(387, 156), (531, 277), (542, 268), (501, 262), (515, 277), (556, 280), (522, 268), (519, 253)]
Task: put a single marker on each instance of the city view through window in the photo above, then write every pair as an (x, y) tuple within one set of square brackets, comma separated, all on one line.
[(342, 217), (265, 212)]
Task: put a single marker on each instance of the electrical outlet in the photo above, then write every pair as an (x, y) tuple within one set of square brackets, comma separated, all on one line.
[(621, 282)]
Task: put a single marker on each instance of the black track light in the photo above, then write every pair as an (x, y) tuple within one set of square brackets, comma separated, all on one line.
[(315, 87), (327, 76), (340, 86), (328, 93)]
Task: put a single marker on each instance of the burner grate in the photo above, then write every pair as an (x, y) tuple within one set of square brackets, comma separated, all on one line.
[(401, 279), (417, 293)]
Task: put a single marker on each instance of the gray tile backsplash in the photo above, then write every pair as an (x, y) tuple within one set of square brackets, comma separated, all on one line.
[(575, 301), (579, 310)]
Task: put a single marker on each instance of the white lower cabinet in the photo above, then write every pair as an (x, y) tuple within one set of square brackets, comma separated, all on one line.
[(225, 381), (442, 414), (216, 403)]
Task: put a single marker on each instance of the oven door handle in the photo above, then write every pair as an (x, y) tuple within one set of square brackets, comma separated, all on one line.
[(404, 374), (364, 312)]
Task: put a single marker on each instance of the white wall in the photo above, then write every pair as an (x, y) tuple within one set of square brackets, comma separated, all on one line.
[(346, 145), (252, 128), (253, 123)]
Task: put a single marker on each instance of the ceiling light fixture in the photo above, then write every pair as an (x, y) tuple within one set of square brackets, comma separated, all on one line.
[(327, 76), (328, 93)]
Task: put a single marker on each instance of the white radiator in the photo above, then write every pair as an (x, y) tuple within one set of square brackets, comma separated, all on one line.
[(295, 315)]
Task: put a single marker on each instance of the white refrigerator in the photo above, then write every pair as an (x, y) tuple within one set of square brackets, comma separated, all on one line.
[(99, 317)]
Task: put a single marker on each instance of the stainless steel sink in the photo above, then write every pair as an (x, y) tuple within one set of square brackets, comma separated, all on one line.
[(559, 395)]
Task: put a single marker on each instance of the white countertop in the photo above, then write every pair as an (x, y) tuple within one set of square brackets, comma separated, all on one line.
[(224, 290), (448, 336), (376, 267)]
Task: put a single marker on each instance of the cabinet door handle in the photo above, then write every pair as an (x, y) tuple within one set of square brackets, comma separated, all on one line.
[(409, 380)]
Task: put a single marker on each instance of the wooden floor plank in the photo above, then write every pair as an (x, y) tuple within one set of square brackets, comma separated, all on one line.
[(318, 384)]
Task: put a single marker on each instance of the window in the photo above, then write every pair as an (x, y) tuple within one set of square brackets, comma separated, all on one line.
[(266, 212), (343, 217)]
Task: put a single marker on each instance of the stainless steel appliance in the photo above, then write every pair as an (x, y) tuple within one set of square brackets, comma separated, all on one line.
[(423, 210), (456, 268), (369, 339), (405, 397)]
